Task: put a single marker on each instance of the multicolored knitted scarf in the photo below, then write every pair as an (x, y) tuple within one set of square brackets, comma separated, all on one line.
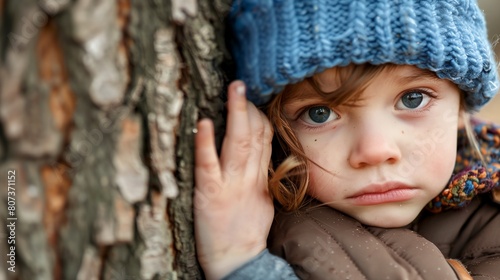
[(471, 176)]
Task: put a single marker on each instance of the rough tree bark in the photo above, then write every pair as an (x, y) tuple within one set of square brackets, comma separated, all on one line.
[(98, 105)]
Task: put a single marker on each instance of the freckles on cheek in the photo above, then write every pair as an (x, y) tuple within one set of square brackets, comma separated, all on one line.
[(312, 153)]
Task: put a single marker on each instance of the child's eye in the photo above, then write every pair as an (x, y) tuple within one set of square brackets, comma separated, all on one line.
[(413, 100), (318, 115)]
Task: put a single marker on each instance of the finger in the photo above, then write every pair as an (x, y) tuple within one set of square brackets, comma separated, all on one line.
[(257, 129), (267, 143), (207, 168), (237, 141)]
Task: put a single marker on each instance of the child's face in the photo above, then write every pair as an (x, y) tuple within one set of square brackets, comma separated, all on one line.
[(382, 160)]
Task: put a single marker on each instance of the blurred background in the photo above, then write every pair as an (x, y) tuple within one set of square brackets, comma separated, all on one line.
[(491, 9)]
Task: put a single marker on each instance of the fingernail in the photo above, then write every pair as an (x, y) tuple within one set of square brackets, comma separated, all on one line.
[(240, 89)]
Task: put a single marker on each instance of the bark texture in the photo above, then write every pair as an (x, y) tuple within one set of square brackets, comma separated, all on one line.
[(98, 105)]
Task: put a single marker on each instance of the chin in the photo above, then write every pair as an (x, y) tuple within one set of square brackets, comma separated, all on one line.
[(387, 223), (387, 219)]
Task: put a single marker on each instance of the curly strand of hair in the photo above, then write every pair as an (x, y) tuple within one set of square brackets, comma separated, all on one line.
[(288, 182)]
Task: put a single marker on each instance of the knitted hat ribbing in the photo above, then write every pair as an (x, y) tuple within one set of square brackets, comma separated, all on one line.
[(278, 42)]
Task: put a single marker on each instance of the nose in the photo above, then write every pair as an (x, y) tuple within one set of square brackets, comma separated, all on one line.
[(373, 145)]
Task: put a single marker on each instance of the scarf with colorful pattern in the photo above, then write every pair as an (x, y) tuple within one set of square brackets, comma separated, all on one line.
[(471, 177)]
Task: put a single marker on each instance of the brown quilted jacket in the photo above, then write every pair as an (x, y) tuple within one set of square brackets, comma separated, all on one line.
[(322, 243)]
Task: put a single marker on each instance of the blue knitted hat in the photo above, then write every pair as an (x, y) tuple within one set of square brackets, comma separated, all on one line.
[(278, 42)]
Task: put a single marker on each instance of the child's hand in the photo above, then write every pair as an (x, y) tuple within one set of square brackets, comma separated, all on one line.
[(232, 207)]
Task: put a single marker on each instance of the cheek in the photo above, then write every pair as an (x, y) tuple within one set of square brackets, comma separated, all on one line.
[(445, 161), (325, 184), (324, 150), (441, 158), (320, 184), (326, 167)]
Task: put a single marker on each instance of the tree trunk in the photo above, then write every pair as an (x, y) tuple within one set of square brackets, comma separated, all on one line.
[(98, 106)]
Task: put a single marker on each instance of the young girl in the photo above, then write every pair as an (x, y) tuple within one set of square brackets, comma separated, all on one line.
[(370, 122)]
